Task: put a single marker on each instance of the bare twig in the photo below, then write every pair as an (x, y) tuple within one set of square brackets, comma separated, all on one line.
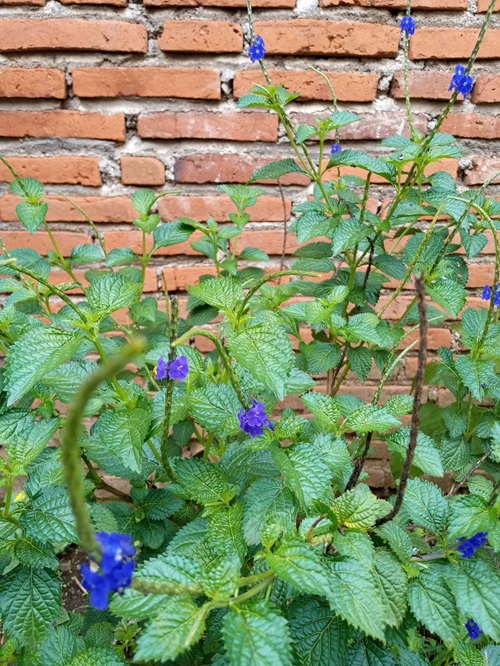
[(359, 463), (481, 460), (415, 417), (285, 230)]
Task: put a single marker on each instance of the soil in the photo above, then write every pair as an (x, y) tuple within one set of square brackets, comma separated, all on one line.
[(74, 597)]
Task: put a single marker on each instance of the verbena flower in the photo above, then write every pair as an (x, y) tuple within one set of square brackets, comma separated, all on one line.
[(254, 420), (116, 566), (177, 369), (408, 25), (496, 300), (461, 81), (257, 49), (486, 295), (474, 629), (336, 148), (468, 547)]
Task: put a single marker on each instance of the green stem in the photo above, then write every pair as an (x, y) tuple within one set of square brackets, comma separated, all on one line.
[(8, 499), (407, 87), (268, 278), (89, 220), (70, 444), (122, 394), (174, 319)]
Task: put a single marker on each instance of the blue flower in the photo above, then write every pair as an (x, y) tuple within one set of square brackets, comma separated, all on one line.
[(408, 25), (474, 629), (116, 567), (486, 295), (461, 81), (254, 420), (257, 49), (177, 369), (336, 148), (496, 300), (468, 547)]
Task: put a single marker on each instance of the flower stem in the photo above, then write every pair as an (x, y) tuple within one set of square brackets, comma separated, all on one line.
[(174, 319)]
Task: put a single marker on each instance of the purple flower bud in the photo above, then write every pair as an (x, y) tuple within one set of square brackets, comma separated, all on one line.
[(408, 25), (257, 49), (254, 420)]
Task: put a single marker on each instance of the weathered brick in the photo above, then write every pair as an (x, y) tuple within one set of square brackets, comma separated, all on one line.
[(374, 125), (449, 43), (117, 3), (146, 82), (349, 86), (480, 275), (32, 83), (132, 238), (40, 3), (434, 5), (267, 209), (271, 241), (472, 125), (201, 37), (63, 123), (423, 85), (19, 34), (271, 4), (482, 6), (437, 337), (70, 170), (191, 125), (66, 240), (142, 171), (99, 209), (483, 168), (486, 89), (315, 37), (214, 168)]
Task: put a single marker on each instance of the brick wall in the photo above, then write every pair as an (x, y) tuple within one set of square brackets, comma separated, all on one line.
[(99, 97)]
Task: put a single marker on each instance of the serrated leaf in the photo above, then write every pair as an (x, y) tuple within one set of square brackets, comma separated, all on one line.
[(369, 653), (216, 407), (49, 517), (202, 481), (391, 579), (123, 434), (225, 530), (304, 473), (60, 647), (224, 293), (171, 233), (36, 353), (178, 624), (360, 359), (474, 374), (96, 656), (35, 554), (254, 254), (348, 234), (85, 254), (371, 418), (359, 508), (342, 118), (305, 132), (275, 170), (31, 215), (425, 504), (28, 188), (157, 503), (363, 327), (121, 256), (24, 437), (173, 570), (470, 514), (30, 601), (320, 356), (135, 605), (324, 409), (448, 294), (427, 456), (433, 604), (111, 292), (143, 200), (400, 404), (256, 635), (266, 501), (397, 538), (477, 589), (312, 224), (356, 158)]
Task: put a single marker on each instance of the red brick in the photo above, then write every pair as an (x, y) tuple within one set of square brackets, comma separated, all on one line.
[(267, 209), (146, 82), (117, 3), (487, 88), (62, 123), (483, 168), (472, 125), (132, 238), (40, 3), (349, 86), (58, 277), (449, 43), (482, 6), (316, 37), (201, 37), (72, 35), (228, 126), (271, 241), (66, 170), (32, 83), (374, 125), (437, 337), (66, 240), (215, 168), (422, 85), (399, 4), (272, 4), (142, 171), (479, 275), (178, 278), (99, 209)]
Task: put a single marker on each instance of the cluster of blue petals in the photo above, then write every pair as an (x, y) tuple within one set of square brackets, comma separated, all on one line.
[(116, 566), (177, 369), (473, 628), (408, 25), (487, 293), (254, 420), (461, 81), (336, 148), (468, 547), (257, 49)]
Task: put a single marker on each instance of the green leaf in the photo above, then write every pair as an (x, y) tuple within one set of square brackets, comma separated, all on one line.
[(399, 404), (24, 437), (148, 223), (202, 481), (359, 508), (368, 653), (266, 351), (216, 407), (143, 200), (112, 292), (135, 605), (348, 234), (256, 635), (477, 588), (28, 188), (342, 118), (171, 233), (448, 294), (391, 580), (275, 170), (121, 256), (157, 503), (31, 215), (267, 501), (433, 604), (360, 359), (320, 356), (85, 254), (371, 418), (305, 132), (363, 327), (427, 456), (320, 638), (425, 504), (224, 293), (60, 647), (307, 476), (397, 538), (356, 545), (470, 514), (49, 517), (474, 373), (96, 656), (123, 434), (35, 554), (242, 196), (254, 254), (297, 563), (175, 570), (356, 158), (225, 529), (312, 224), (468, 655), (325, 410), (36, 353), (30, 601), (178, 624)]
